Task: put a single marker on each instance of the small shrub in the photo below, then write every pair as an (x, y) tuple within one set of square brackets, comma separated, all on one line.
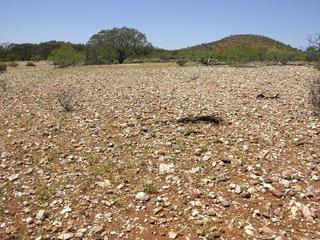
[(30, 64), (12, 64), (181, 62), (3, 67), (66, 100), (315, 94), (149, 187)]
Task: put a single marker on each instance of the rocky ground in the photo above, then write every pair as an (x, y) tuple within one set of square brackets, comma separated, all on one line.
[(122, 165)]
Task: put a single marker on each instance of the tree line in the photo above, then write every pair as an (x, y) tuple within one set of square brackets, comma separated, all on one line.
[(119, 45)]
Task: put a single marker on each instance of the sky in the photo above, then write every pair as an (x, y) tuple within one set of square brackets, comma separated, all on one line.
[(169, 24)]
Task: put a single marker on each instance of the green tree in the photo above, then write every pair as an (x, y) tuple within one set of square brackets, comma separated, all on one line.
[(116, 44), (66, 56)]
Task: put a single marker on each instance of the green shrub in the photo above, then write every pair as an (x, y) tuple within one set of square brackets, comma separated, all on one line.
[(181, 62), (30, 64), (3, 67), (36, 58), (67, 56), (12, 64)]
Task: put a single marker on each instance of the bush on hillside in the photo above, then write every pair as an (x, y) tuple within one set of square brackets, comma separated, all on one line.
[(67, 56), (181, 62), (3, 67)]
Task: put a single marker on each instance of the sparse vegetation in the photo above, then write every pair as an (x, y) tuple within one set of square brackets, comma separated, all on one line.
[(66, 100), (149, 187)]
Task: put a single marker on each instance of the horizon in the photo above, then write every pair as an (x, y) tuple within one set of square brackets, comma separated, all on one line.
[(167, 25)]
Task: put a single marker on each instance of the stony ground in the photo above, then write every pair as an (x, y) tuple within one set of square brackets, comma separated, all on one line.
[(120, 166)]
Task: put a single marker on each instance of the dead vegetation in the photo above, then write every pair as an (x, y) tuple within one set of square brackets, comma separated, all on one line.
[(3, 85), (315, 94), (201, 119), (66, 100)]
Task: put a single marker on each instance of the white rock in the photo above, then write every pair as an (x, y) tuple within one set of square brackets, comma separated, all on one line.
[(249, 230), (306, 213), (166, 168), (194, 213), (29, 220), (198, 151), (41, 215), (13, 177), (206, 158), (141, 196), (65, 210), (65, 236), (195, 170), (315, 178), (172, 235), (105, 184)]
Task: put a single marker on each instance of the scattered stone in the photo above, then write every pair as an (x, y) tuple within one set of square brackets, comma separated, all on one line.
[(65, 236), (166, 168), (105, 184), (41, 215), (172, 235), (66, 209), (223, 201), (249, 230), (13, 177), (141, 196)]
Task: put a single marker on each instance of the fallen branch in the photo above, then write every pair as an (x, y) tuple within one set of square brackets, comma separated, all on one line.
[(196, 119), (262, 96)]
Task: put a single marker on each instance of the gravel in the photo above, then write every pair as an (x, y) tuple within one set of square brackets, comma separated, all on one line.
[(123, 165)]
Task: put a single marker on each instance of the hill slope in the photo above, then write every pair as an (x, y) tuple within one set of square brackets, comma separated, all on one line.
[(245, 47), (249, 40)]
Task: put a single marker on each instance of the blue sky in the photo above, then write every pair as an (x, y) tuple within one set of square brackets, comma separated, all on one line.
[(169, 24)]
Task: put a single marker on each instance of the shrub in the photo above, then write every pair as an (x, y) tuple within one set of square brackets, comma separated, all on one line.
[(30, 64), (181, 62), (3, 67), (12, 64), (66, 100), (315, 94), (66, 56)]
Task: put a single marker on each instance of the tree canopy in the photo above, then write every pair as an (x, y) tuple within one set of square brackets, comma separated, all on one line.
[(116, 44)]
